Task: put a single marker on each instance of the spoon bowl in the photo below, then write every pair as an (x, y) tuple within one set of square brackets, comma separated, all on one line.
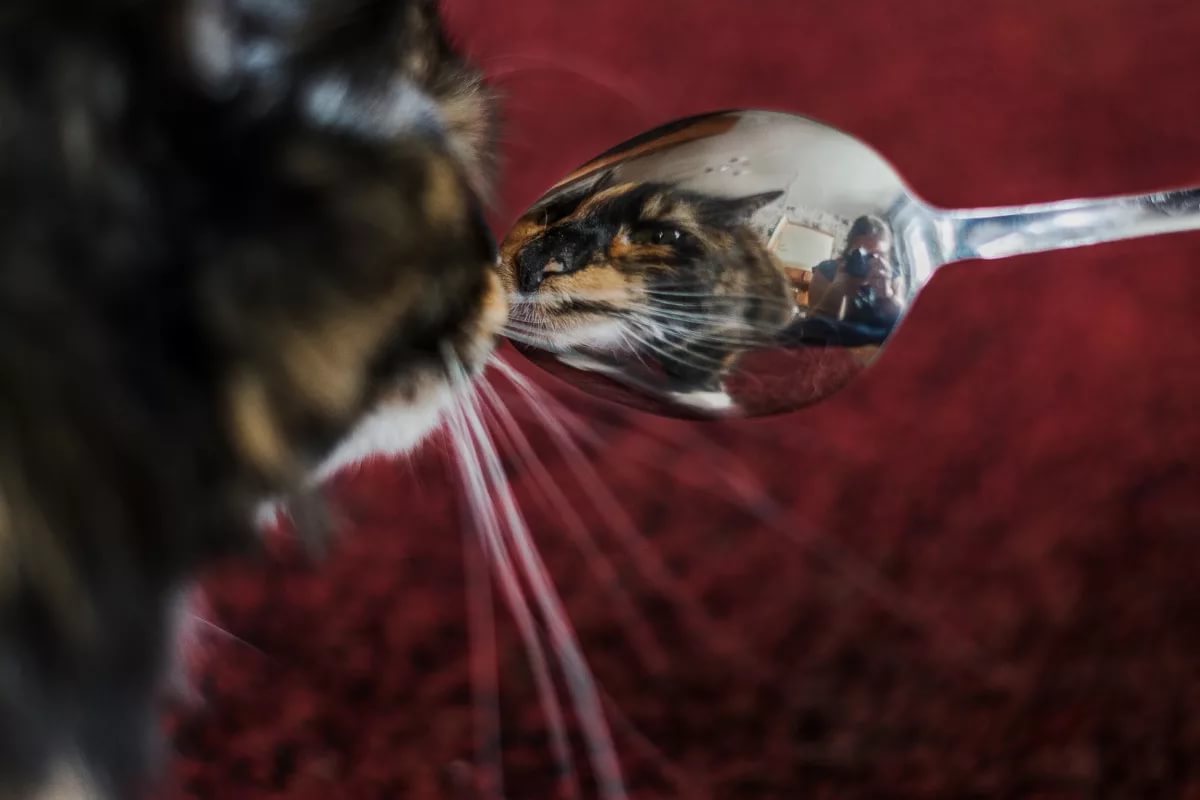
[(748, 263)]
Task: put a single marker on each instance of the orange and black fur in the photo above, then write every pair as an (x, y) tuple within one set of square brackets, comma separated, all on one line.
[(670, 274), (229, 230)]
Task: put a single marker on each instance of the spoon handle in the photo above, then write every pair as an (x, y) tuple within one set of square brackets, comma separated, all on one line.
[(1001, 232)]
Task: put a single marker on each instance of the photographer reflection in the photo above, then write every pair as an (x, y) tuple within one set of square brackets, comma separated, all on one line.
[(857, 298)]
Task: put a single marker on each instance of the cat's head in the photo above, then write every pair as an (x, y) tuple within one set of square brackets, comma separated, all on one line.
[(369, 146), (239, 239), (589, 265)]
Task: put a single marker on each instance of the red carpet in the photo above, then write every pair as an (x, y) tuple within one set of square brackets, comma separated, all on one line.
[(973, 574)]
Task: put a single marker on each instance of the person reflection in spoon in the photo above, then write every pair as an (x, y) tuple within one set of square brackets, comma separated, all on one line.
[(856, 298), (860, 286)]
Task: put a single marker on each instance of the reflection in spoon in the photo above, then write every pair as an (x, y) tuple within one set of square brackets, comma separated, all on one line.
[(749, 263), (648, 269)]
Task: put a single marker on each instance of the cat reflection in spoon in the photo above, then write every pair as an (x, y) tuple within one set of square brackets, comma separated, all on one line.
[(678, 278)]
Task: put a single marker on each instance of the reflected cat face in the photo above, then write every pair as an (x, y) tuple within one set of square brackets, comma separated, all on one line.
[(672, 274)]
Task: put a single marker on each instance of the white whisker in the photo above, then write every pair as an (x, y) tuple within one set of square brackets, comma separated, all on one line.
[(693, 359), (481, 623), (523, 337), (556, 298), (217, 629), (754, 497), (674, 291), (647, 644), (552, 414), (715, 330), (476, 482), (714, 317), (700, 302), (575, 671)]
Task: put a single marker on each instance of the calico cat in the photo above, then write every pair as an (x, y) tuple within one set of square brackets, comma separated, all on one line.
[(232, 233), (671, 274)]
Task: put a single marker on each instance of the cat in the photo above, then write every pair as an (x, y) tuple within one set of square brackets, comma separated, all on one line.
[(672, 274), (237, 238)]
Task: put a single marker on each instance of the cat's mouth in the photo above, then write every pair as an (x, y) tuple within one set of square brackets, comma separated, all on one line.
[(552, 314), (564, 323)]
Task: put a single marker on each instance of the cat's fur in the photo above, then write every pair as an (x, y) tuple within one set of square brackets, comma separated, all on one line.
[(230, 230), (674, 274)]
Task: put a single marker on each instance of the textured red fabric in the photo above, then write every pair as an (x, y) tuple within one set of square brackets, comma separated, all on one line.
[(972, 574)]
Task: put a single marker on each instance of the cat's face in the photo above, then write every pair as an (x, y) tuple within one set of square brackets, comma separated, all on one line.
[(377, 148), (647, 271), (610, 264), (240, 239)]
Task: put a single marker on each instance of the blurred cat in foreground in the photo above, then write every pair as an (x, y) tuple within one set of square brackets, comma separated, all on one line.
[(239, 238)]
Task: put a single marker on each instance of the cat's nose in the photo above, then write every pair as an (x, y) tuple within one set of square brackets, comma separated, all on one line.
[(531, 269), (541, 260)]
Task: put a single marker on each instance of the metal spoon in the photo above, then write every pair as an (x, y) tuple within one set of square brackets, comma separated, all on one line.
[(750, 262)]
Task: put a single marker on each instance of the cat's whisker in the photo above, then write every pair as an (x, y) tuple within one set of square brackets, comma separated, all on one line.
[(658, 295), (555, 417), (719, 313), (647, 645), (556, 298), (756, 499), (523, 337), (670, 336), (698, 360), (694, 333), (631, 347), (679, 353), (753, 497), (686, 781), (578, 676), (536, 334), (720, 306), (645, 342), (476, 481), (224, 632), (484, 666), (593, 72), (733, 329), (692, 340), (700, 336), (719, 329), (659, 291), (521, 325), (699, 305), (623, 302), (527, 316)]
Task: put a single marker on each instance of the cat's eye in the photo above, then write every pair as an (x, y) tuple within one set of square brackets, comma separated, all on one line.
[(657, 235)]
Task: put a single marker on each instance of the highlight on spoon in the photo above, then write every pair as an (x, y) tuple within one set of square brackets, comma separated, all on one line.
[(733, 264)]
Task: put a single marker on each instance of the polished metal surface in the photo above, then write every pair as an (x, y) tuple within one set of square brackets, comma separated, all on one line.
[(751, 262)]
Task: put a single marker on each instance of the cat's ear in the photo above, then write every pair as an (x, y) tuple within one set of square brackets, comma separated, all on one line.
[(564, 202), (739, 210), (607, 180)]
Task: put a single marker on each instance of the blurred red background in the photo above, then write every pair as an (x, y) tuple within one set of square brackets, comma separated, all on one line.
[(970, 574)]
